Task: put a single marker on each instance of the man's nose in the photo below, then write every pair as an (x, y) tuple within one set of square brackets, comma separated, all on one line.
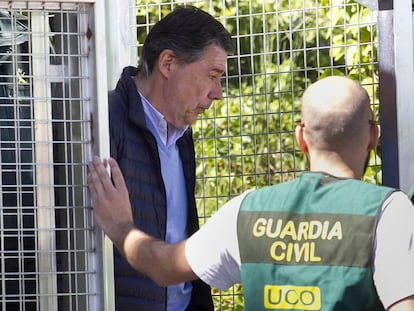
[(216, 92)]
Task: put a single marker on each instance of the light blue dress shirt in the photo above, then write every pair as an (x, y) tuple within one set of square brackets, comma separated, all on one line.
[(179, 295)]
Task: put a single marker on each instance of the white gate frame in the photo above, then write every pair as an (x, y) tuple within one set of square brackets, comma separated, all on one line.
[(100, 132)]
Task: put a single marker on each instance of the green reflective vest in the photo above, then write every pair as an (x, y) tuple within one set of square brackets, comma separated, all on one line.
[(306, 244)]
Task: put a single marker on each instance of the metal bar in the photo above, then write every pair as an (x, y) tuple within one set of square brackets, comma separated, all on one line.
[(100, 144), (404, 73), (388, 100), (395, 49), (371, 4), (42, 5), (44, 163), (121, 45)]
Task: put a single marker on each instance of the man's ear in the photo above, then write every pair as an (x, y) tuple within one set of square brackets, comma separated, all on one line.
[(299, 137), (374, 137), (165, 60)]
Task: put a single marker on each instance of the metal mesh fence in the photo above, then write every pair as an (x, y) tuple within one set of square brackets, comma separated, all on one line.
[(247, 139), (48, 259), (46, 237)]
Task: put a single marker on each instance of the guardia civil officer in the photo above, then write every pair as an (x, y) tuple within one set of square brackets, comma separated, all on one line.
[(324, 241)]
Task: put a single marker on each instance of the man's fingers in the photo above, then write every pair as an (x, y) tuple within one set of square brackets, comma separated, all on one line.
[(117, 176), (99, 182), (110, 203), (104, 180), (94, 184)]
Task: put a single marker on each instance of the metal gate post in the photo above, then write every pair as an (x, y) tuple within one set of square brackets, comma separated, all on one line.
[(101, 130), (121, 46), (387, 94), (404, 73), (395, 49)]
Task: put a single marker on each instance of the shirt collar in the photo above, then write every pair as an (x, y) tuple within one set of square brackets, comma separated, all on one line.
[(166, 132)]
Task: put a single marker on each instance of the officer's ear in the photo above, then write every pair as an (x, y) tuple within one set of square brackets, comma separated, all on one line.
[(374, 136), (300, 137)]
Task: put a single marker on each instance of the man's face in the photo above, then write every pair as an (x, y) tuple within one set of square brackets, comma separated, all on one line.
[(191, 88)]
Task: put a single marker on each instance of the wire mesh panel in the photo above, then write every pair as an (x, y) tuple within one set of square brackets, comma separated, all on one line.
[(247, 139), (48, 254)]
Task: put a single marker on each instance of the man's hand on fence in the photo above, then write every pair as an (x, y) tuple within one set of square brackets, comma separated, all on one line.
[(110, 200)]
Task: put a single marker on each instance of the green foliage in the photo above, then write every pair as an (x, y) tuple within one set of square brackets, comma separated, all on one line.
[(247, 139)]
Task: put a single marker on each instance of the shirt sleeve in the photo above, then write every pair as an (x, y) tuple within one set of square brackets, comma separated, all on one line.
[(213, 251), (394, 250)]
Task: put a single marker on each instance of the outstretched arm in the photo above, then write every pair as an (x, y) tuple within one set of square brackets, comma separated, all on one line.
[(164, 263)]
